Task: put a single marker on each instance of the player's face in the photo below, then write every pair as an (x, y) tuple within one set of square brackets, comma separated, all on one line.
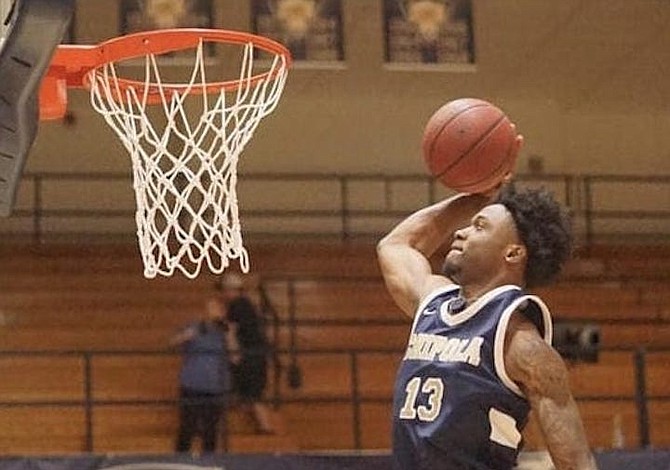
[(479, 250)]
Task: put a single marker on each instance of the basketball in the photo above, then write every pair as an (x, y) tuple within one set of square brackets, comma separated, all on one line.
[(469, 145)]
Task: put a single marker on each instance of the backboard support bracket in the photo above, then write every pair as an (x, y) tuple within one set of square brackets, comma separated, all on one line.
[(35, 28)]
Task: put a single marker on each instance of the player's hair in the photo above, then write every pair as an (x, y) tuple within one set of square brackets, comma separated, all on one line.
[(544, 228)]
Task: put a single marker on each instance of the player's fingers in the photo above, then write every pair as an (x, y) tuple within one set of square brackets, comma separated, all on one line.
[(493, 192), (519, 142)]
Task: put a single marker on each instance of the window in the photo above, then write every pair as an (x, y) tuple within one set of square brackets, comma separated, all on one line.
[(311, 29), (429, 31)]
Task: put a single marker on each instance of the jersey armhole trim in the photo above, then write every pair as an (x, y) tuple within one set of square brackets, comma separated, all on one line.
[(501, 331)]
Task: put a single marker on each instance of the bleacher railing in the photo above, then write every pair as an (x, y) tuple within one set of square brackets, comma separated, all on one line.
[(342, 205), (90, 403)]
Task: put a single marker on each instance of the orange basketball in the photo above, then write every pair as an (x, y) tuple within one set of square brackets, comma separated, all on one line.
[(469, 145)]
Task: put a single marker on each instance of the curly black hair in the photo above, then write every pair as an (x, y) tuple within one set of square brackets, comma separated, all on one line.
[(544, 227)]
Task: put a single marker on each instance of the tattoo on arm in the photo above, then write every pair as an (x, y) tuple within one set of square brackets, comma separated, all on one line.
[(543, 377)]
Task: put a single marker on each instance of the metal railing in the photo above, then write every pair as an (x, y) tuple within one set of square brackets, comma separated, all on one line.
[(354, 204), (356, 397), (586, 195)]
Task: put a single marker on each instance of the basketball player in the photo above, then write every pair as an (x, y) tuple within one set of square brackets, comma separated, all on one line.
[(479, 355)]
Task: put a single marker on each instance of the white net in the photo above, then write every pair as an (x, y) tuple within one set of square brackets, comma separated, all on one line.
[(184, 163)]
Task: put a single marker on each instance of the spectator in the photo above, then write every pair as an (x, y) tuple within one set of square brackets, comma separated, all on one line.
[(204, 379), (250, 375)]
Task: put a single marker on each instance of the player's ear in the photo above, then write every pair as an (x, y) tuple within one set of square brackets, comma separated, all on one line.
[(515, 254)]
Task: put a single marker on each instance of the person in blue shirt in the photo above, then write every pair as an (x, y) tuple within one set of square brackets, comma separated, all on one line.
[(204, 379), (479, 354)]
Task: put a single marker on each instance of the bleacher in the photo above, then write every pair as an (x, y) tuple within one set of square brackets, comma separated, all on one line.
[(63, 300)]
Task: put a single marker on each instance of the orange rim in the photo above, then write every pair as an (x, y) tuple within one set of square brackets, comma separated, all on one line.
[(73, 63)]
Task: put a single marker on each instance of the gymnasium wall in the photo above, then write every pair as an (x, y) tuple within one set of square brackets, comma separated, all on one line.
[(585, 81)]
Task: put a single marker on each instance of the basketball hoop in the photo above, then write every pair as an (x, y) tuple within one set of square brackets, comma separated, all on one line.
[(184, 161)]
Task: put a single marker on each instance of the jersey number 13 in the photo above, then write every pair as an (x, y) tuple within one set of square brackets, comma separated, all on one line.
[(433, 388)]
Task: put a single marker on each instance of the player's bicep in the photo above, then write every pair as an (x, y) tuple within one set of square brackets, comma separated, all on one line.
[(542, 375), (407, 274), (534, 365)]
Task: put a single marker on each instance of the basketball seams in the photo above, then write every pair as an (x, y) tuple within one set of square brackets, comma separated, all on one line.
[(437, 134), (504, 162), (480, 141), (468, 145)]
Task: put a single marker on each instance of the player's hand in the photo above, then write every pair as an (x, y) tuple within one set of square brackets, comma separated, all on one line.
[(235, 357), (493, 192), (518, 143)]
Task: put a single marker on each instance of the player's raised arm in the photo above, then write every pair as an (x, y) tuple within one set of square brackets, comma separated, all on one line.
[(404, 253), (541, 374)]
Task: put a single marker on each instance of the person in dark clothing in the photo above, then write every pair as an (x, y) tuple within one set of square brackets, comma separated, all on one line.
[(250, 375), (204, 379)]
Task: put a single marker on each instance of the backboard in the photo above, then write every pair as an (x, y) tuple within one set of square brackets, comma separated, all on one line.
[(5, 8), (30, 31)]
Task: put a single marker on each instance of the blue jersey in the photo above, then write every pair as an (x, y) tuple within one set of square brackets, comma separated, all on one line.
[(205, 360), (454, 405)]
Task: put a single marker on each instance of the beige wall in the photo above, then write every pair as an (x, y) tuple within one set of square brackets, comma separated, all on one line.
[(586, 82)]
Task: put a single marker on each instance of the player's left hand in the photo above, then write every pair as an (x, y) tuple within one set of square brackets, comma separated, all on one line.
[(493, 192)]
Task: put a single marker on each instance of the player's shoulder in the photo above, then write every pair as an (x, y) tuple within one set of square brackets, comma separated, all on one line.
[(531, 310)]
